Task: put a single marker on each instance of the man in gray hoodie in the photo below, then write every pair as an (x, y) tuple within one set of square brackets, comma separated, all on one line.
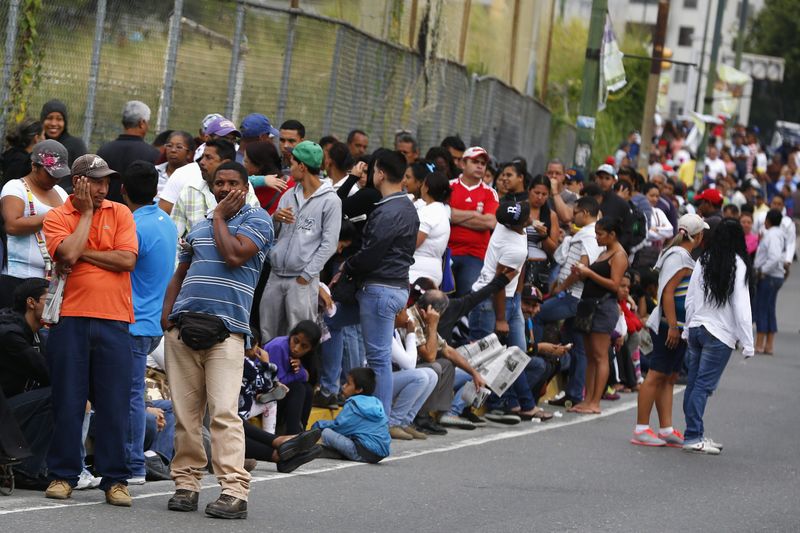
[(307, 224)]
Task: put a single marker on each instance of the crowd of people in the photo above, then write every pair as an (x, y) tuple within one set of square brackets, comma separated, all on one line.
[(178, 307)]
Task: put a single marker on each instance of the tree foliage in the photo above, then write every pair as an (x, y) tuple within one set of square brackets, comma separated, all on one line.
[(27, 61)]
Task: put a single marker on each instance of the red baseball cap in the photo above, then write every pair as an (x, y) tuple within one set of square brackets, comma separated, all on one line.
[(712, 196)]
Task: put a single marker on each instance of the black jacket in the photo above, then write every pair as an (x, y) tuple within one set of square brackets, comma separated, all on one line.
[(388, 243), (22, 366), (614, 206), (15, 163), (460, 307), (120, 153)]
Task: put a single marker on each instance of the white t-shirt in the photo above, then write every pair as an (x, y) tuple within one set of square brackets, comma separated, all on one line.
[(434, 220), (716, 167), (506, 247), (175, 184), (24, 256), (162, 177)]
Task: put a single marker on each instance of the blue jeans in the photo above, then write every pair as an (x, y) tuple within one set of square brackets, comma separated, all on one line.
[(766, 301), (461, 379), (376, 310), (353, 355), (90, 354), (565, 308), (410, 389), (706, 358), (466, 270), (161, 441), (141, 347), (340, 443)]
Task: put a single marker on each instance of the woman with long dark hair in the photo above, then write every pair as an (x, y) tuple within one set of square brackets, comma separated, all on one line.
[(263, 164), (16, 161), (542, 234), (601, 282), (717, 317), (666, 322)]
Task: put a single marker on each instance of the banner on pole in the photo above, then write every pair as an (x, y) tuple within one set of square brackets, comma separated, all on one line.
[(728, 90), (612, 71)]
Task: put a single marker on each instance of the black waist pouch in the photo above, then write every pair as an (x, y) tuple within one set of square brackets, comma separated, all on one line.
[(199, 331)]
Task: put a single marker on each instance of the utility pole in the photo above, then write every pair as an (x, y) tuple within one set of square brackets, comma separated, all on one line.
[(652, 86), (591, 80), (514, 37), (462, 38), (546, 69), (702, 57), (740, 38), (711, 79)]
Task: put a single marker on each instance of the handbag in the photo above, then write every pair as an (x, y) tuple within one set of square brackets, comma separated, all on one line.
[(344, 291), (585, 315), (200, 331)]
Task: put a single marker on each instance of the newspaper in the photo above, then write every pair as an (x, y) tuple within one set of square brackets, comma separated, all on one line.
[(499, 365)]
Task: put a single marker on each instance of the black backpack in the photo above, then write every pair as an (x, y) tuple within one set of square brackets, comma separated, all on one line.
[(638, 231)]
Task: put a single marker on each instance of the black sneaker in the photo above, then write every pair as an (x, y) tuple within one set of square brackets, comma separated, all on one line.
[(184, 500), (227, 506), (564, 401), (476, 420), (502, 417), (429, 426), (324, 401)]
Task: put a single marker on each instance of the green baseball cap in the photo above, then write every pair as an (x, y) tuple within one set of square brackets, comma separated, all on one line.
[(308, 153)]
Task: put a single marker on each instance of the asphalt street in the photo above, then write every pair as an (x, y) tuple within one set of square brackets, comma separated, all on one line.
[(570, 474)]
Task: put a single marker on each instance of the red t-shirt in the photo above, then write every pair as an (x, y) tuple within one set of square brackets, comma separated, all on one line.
[(481, 198), (266, 194)]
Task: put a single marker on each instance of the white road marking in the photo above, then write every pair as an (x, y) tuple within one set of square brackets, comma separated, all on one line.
[(554, 423)]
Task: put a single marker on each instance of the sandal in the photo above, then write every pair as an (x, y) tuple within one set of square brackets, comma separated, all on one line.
[(543, 415)]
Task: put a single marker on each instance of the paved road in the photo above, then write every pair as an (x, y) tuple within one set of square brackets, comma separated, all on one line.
[(570, 474)]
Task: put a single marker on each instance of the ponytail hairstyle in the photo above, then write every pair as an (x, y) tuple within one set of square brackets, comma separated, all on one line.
[(520, 167), (719, 261), (611, 224)]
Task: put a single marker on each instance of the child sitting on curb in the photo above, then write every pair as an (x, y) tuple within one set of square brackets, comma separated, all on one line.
[(361, 430)]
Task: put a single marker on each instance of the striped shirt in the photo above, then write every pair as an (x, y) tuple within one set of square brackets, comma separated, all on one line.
[(214, 288), (680, 300)]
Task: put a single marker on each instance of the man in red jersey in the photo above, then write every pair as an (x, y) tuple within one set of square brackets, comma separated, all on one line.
[(473, 205)]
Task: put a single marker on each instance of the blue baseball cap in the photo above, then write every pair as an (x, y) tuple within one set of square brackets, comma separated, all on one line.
[(255, 125)]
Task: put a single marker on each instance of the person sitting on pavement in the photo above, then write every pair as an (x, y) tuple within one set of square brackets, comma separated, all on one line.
[(360, 432), (25, 379)]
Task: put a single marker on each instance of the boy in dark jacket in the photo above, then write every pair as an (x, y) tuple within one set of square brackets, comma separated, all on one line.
[(361, 430)]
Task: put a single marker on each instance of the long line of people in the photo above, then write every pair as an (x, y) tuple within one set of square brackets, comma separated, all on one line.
[(217, 288)]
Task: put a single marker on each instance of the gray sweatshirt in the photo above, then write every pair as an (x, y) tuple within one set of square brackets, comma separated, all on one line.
[(303, 248)]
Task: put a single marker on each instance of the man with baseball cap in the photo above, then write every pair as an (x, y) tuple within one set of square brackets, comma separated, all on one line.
[(612, 205), (255, 127), (472, 208), (307, 222), (93, 242)]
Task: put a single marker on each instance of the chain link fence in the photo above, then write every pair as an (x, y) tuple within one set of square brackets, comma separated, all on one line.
[(188, 58)]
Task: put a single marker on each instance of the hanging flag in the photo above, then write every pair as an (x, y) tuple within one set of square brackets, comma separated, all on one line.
[(728, 90), (612, 71)]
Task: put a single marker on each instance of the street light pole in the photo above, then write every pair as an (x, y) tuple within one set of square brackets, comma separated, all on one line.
[(652, 85), (591, 80), (711, 79)]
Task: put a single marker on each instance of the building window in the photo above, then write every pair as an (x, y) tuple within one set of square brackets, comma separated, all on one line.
[(681, 74), (690, 4), (685, 36), (675, 109)]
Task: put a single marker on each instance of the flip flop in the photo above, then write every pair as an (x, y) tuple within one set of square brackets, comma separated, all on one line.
[(543, 415)]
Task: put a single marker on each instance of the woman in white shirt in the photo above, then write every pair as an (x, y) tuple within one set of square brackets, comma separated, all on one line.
[(25, 202), (434, 229), (717, 317), (659, 228), (770, 271)]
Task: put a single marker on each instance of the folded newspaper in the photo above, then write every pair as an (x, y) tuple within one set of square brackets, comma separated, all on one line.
[(499, 365)]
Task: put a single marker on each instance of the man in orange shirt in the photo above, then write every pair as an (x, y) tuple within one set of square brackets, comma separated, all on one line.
[(93, 241)]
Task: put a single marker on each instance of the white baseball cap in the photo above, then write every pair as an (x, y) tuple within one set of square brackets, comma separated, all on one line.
[(691, 224), (474, 152), (608, 169)]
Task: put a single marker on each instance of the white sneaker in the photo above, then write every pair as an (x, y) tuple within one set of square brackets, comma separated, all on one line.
[(715, 444), (87, 481), (139, 480), (705, 446)]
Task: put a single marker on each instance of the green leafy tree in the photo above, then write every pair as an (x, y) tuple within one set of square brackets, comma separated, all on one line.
[(25, 76)]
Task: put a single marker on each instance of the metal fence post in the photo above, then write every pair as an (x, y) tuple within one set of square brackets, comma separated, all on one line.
[(331, 101), (234, 66), (8, 61), (170, 63), (287, 69), (467, 133), (94, 70)]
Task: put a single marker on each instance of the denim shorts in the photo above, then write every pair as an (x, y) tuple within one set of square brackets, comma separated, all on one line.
[(605, 316), (663, 359)]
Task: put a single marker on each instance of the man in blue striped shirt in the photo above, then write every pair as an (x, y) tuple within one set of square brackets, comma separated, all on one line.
[(205, 316)]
